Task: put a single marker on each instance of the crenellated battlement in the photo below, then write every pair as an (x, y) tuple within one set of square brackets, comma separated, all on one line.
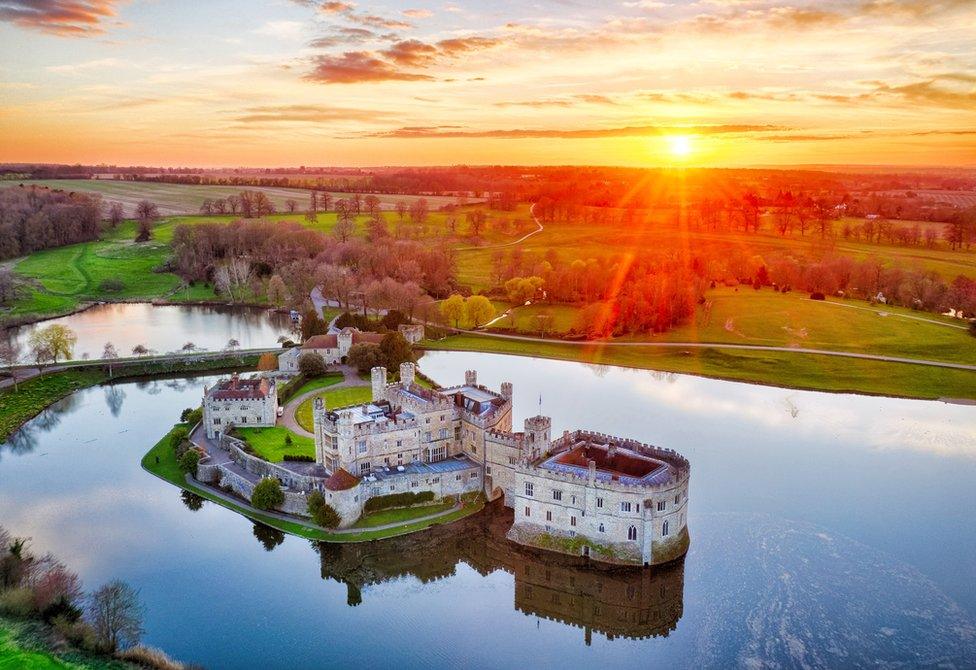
[(669, 456)]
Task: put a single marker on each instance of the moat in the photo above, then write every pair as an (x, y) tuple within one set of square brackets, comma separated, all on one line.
[(827, 530)]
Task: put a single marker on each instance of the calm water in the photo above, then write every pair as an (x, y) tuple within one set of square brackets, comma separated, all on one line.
[(827, 531), (164, 328)]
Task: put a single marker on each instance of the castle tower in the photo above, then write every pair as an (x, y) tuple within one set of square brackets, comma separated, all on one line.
[(407, 372), (537, 435), (379, 382), (346, 438), (471, 377), (318, 407), (344, 340), (507, 390)]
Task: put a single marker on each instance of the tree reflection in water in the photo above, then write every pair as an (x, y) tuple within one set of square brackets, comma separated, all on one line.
[(114, 398), (191, 500), (615, 601), (268, 537)]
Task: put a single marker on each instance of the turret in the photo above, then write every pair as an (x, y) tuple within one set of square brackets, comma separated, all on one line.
[(407, 373), (379, 382), (507, 390), (537, 438), (471, 377)]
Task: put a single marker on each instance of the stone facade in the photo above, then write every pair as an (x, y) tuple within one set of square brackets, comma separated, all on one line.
[(333, 348), (412, 332), (239, 402)]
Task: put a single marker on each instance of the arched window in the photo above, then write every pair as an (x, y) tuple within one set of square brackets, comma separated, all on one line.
[(632, 533), (664, 529)]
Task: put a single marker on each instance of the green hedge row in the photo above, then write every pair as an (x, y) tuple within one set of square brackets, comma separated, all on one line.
[(398, 500)]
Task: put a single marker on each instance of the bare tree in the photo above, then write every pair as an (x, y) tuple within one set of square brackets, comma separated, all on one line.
[(116, 213), (109, 353), (140, 350), (291, 205), (232, 345), (10, 355), (146, 213), (312, 214), (115, 613), (344, 221)]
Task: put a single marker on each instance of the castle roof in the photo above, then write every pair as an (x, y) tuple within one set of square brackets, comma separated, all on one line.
[(236, 388), (341, 480), (321, 342)]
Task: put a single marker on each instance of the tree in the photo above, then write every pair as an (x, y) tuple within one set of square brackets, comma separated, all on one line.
[(479, 310), (109, 353), (401, 210), (268, 361), (344, 227), (322, 513), (395, 350), (419, 211), (291, 205), (191, 415), (189, 347), (312, 365), (312, 215), (452, 309), (277, 292), (116, 214), (364, 357), (313, 324), (140, 350), (9, 286), (232, 345), (10, 356), (54, 342), (267, 494), (146, 215), (188, 461), (115, 614)]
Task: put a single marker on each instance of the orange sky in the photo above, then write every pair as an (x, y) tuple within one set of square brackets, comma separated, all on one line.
[(295, 82)]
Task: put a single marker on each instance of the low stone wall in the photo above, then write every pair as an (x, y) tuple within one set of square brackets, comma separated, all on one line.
[(622, 553), (217, 475)]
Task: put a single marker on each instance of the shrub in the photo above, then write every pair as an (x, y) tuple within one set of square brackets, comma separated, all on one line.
[(300, 458), (18, 602), (61, 608), (177, 436), (312, 365), (112, 285), (77, 633), (322, 512), (149, 657), (817, 295), (364, 357), (267, 494), (398, 500), (394, 319), (192, 416), (188, 461)]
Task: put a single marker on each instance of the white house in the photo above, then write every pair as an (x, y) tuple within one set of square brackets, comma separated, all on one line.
[(239, 402)]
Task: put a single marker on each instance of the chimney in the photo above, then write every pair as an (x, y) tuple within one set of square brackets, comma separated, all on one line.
[(592, 471), (471, 377), (407, 372)]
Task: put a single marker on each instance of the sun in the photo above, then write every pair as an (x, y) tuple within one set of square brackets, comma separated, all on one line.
[(679, 145)]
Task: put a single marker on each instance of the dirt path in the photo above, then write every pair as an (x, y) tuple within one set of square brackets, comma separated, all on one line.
[(288, 418), (539, 229)]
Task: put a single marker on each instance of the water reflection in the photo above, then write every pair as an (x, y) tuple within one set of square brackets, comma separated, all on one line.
[(268, 537), (635, 603), (163, 328)]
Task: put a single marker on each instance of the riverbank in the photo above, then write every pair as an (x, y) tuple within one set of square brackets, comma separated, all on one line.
[(787, 369), (161, 462), (20, 404)]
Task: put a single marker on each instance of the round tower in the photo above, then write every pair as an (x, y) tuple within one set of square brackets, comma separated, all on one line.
[(407, 372), (378, 375)]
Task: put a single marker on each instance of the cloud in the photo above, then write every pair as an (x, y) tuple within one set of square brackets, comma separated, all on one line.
[(308, 114), (428, 132), (335, 7), (412, 53), (356, 67), (281, 29), (418, 13), (65, 18), (97, 64)]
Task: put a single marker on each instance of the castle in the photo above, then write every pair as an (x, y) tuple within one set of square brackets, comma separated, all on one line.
[(584, 493)]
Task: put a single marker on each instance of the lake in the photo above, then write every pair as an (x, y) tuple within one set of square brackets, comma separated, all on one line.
[(826, 531), (164, 328)]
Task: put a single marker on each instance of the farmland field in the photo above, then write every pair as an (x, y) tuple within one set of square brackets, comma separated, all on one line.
[(187, 199)]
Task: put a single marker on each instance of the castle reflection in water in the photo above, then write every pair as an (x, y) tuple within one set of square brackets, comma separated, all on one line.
[(616, 601)]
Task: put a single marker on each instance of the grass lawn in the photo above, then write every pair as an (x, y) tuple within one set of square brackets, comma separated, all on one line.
[(397, 515), (33, 395), (804, 371), (168, 470), (24, 646), (344, 397), (329, 379), (269, 443)]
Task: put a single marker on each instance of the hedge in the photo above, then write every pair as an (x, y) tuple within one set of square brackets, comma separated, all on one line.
[(398, 500)]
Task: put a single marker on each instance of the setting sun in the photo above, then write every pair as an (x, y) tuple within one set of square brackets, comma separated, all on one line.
[(679, 145)]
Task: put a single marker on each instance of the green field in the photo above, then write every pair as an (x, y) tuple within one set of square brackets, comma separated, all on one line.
[(400, 515), (269, 443), (24, 645), (344, 397), (774, 368), (187, 198)]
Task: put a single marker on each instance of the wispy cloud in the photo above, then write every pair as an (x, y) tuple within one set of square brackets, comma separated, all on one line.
[(428, 132), (65, 18)]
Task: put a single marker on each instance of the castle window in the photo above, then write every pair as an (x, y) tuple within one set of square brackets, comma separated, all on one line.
[(664, 529), (457, 478), (217, 421), (427, 436), (677, 499), (528, 489), (602, 529), (557, 495), (474, 475), (632, 533), (572, 521), (661, 505), (362, 446), (599, 502), (488, 469), (548, 515), (364, 467), (400, 444), (625, 507), (528, 512), (512, 460)]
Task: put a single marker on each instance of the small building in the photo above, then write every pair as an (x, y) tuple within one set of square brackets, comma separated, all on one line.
[(412, 332), (333, 348), (239, 402)]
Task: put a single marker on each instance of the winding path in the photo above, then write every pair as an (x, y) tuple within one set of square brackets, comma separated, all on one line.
[(288, 418), (539, 229)]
